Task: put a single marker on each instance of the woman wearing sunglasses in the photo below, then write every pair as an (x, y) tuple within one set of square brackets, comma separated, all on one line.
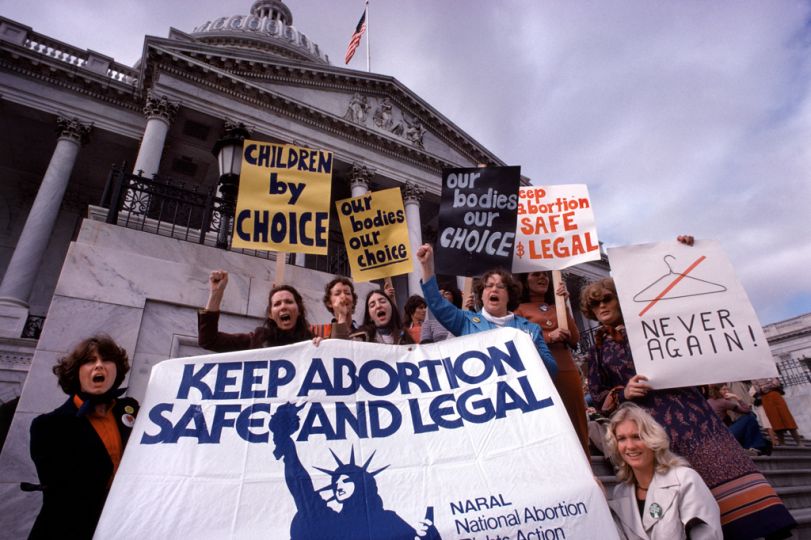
[(750, 508)]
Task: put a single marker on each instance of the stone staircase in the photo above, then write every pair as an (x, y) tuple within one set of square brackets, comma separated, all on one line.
[(788, 469)]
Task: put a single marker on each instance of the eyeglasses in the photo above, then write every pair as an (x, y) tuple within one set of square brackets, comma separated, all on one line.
[(606, 299), (499, 286)]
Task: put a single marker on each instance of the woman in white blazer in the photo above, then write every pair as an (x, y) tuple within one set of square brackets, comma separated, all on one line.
[(659, 496)]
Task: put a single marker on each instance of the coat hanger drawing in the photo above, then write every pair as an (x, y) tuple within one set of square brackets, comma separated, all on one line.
[(701, 286)]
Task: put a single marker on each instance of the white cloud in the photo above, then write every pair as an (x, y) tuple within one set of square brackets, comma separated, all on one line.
[(682, 116)]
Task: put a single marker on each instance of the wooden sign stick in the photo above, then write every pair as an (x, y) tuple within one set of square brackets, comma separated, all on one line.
[(560, 302), (387, 283), (281, 263), (468, 289)]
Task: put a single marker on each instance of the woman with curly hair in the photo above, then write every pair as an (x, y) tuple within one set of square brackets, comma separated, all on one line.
[(498, 293), (286, 320), (538, 306), (77, 447), (750, 508), (659, 496)]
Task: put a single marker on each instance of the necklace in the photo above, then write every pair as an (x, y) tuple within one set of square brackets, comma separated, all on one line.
[(544, 307)]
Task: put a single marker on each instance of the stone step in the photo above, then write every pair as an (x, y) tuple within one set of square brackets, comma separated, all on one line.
[(794, 477), (601, 466), (782, 462), (803, 518), (795, 497), (791, 450)]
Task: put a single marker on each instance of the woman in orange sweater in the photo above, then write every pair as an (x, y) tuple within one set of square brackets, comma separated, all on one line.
[(539, 307)]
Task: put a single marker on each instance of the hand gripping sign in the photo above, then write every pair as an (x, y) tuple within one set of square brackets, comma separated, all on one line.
[(462, 439), (555, 228), (283, 200), (688, 318), (376, 234)]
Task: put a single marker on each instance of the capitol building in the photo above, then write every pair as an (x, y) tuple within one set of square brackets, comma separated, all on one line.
[(117, 184)]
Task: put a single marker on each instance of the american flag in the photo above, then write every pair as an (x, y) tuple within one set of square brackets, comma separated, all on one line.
[(355, 40)]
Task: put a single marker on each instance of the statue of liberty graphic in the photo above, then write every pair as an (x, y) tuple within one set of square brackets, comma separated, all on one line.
[(353, 486)]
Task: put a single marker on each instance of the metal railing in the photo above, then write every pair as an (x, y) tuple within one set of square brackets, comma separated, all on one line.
[(52, 48), (794, 371), (175, 209), (586, 342)]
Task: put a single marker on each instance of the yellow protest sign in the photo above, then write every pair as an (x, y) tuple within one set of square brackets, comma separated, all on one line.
[(375, 234), (283, 200)]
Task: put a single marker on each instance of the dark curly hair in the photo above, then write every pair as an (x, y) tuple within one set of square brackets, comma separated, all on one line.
[(414, 301), (513, 287), (595, 291), (456, 294), (328, 292), (67, 368), (274, 336)]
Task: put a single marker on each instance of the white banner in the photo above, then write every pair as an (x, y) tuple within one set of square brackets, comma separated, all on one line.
[(688, 318), (555, 228), (356, 441)]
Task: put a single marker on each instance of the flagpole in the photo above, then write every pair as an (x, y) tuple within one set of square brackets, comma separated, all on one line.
[(368, 50)]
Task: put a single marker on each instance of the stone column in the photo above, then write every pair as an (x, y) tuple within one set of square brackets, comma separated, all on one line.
[(159, 112), (360, 179), (18, 280), (412, 196)]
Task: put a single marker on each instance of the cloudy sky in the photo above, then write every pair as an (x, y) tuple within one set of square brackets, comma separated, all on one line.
[(680, 116)]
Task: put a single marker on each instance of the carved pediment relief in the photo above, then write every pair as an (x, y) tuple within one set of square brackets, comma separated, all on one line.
[(375, 104), (385, 117)]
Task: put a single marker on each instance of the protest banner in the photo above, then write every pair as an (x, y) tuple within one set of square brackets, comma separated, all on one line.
[(283, 199), (555, 228), (375, 234), (353, 440), (688, 319), (477, 215)]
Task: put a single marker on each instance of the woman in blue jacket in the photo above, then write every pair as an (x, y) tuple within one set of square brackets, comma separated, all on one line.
[(499, 293)]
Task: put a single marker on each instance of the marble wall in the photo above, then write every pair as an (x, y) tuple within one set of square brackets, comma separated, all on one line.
[(790, 343), (143, 290)]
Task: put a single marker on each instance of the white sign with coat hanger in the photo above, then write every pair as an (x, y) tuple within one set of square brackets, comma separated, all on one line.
[(689, 320)]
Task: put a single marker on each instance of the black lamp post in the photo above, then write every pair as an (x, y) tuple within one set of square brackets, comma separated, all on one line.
[(228, 150)]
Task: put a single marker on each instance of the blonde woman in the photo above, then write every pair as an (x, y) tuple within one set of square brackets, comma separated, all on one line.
[(659, 496)]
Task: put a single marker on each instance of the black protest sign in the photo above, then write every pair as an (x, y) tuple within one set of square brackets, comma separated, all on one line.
[(477, 215)]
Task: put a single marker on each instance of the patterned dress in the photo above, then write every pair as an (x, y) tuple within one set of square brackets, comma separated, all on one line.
[(750, 508)]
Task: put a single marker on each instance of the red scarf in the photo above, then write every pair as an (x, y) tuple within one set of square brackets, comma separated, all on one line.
[(617, 333)]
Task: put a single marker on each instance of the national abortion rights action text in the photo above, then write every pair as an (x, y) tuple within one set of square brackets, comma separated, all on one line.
[(555, 229), (688, 319), (470, 432), (375, 234), (477, 217), (283, 200)]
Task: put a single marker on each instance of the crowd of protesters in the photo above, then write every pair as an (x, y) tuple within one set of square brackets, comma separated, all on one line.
[(677, 445)]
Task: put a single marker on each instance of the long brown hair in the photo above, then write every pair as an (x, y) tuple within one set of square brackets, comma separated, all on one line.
[(301, 330)]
